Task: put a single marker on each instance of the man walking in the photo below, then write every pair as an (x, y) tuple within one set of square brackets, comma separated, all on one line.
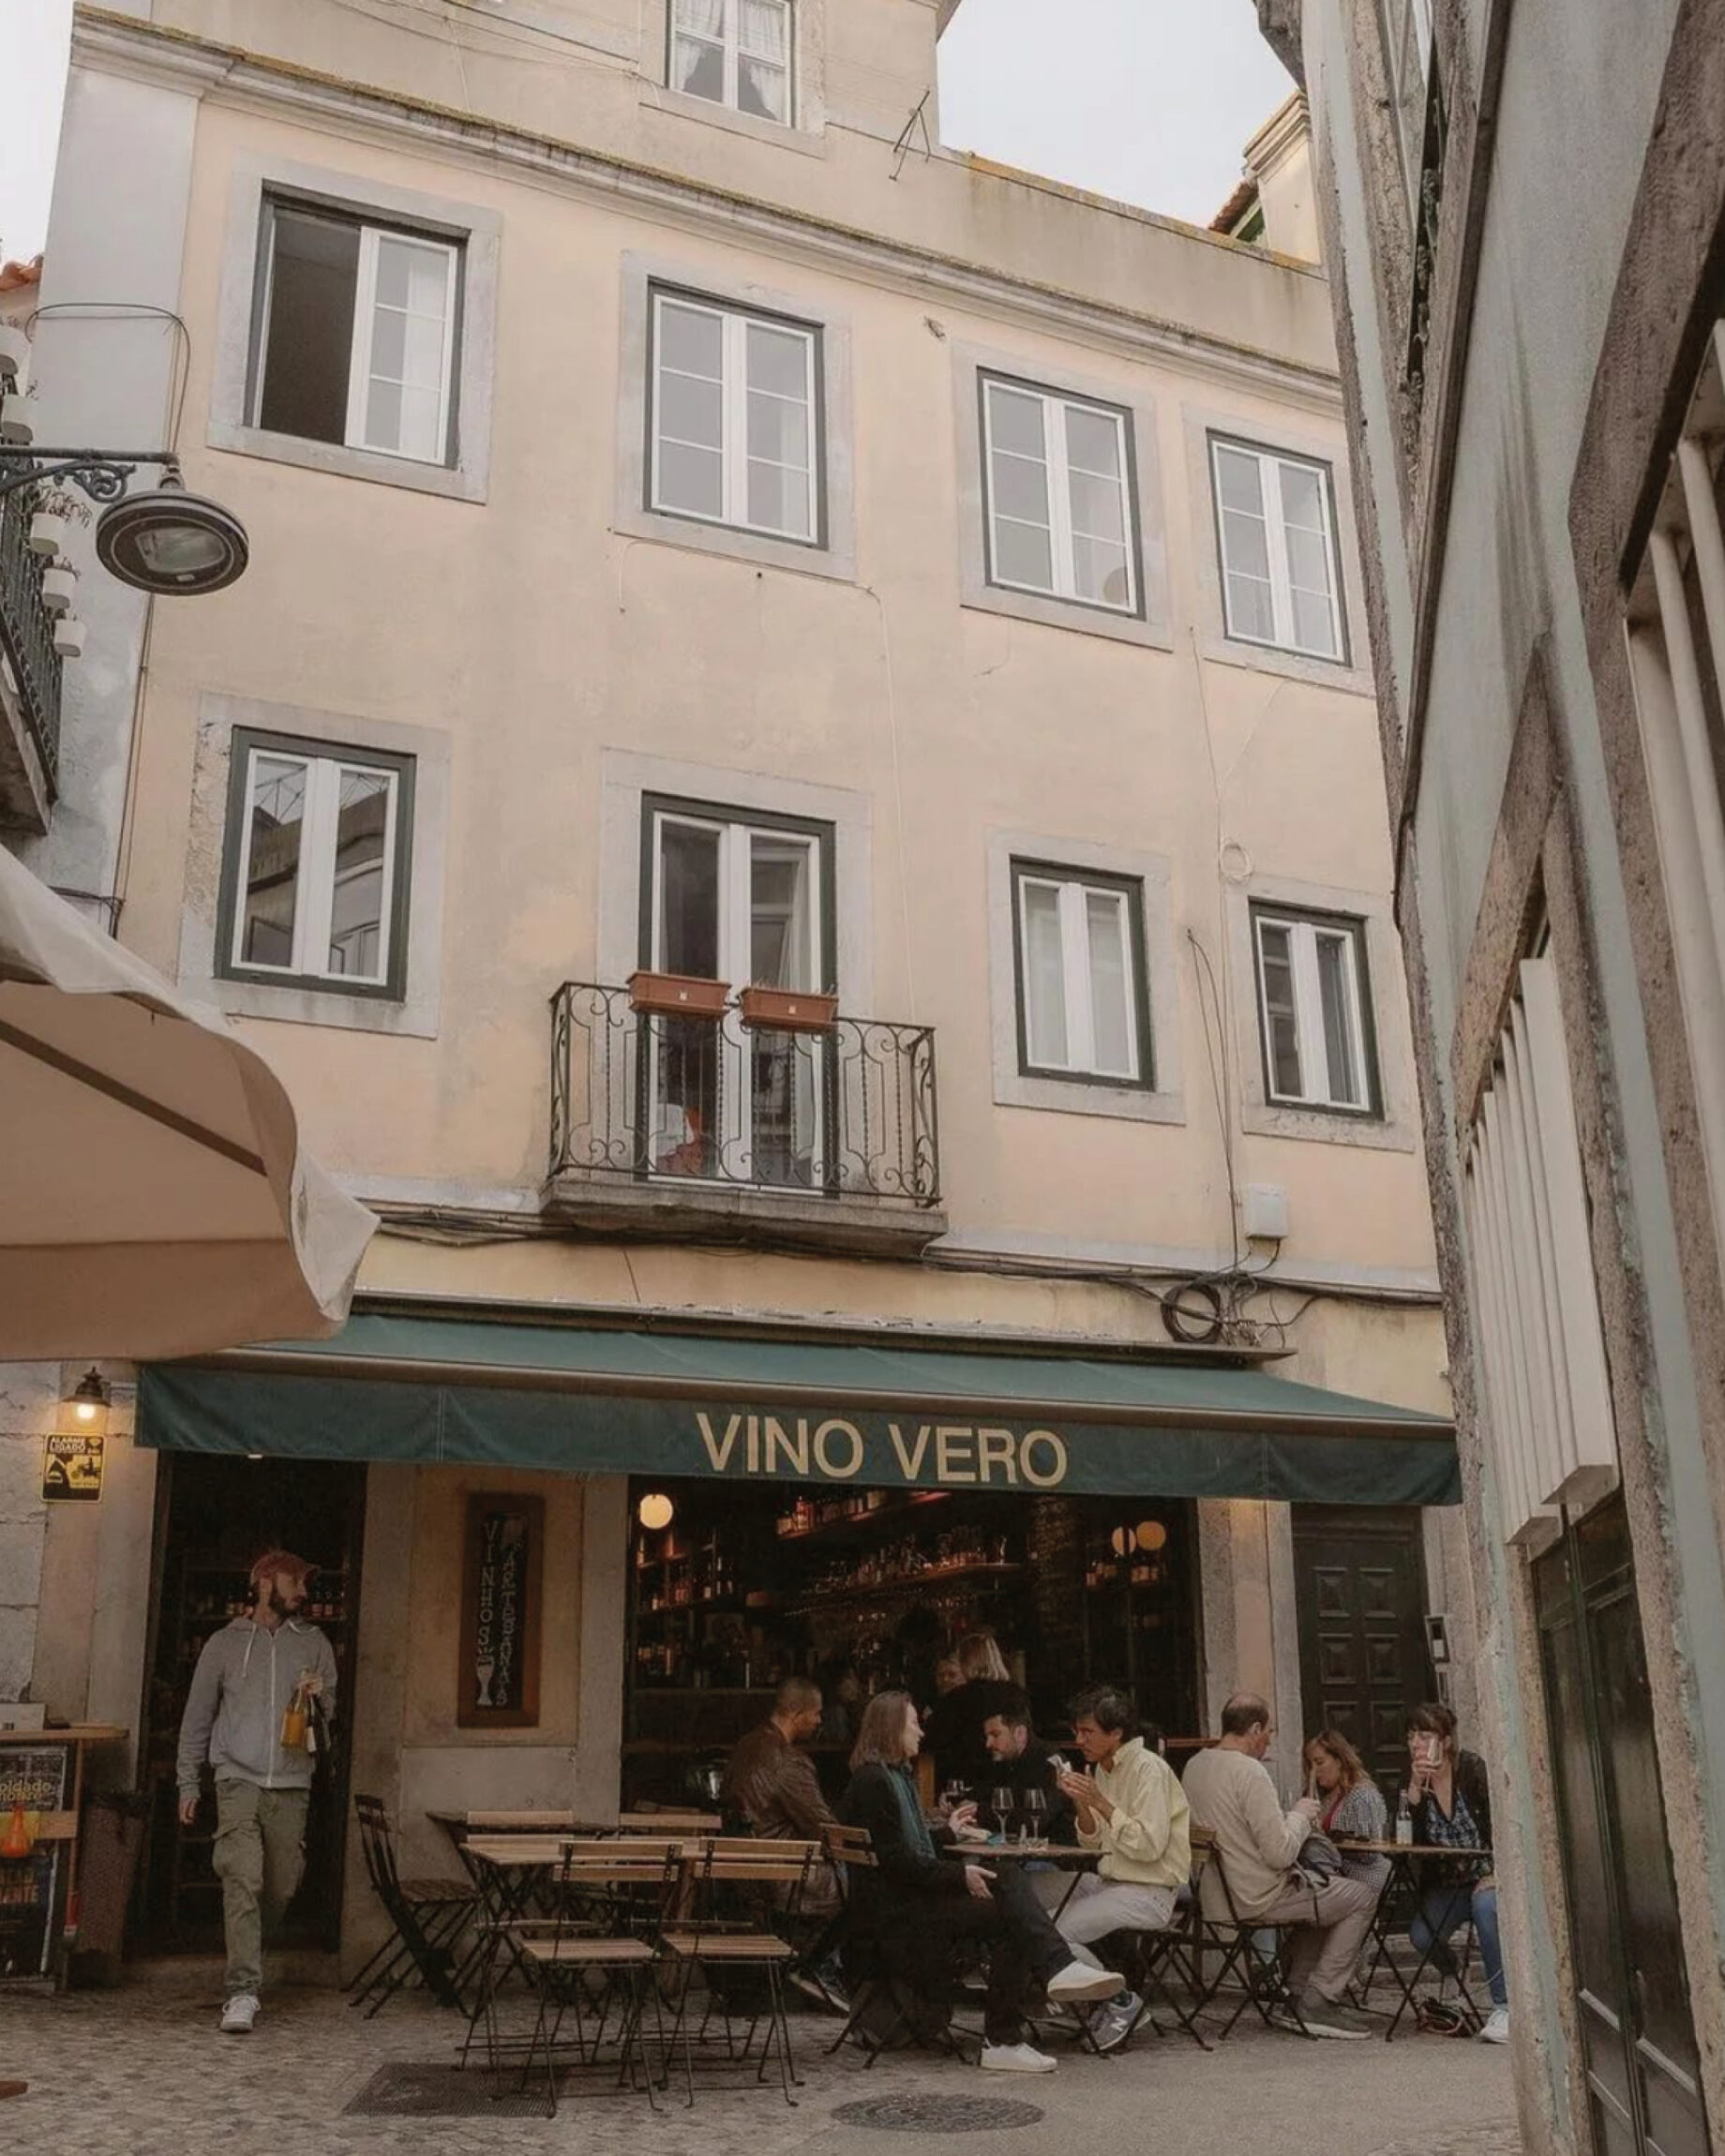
[(248, 1717)]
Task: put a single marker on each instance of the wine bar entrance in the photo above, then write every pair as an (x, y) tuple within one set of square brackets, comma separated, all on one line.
[(214, 1516), (730, 1589)]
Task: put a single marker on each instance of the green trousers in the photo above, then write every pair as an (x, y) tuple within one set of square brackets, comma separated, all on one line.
[(260, 1859)]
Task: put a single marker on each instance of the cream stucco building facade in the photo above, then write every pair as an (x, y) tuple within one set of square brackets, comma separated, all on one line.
[(716, 531)]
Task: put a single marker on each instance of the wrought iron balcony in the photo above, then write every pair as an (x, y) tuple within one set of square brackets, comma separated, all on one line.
[(696, 1125), (26, 641)]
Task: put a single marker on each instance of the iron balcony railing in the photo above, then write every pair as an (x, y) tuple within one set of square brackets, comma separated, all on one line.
[(26, 629), (845, 1113)]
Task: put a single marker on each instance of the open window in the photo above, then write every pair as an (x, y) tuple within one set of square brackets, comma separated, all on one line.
[(746, 901), (355, 337)]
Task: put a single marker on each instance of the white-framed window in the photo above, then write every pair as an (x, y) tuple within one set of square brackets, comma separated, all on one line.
[(1058, 498), (734, 52), (355, 341), (744, 901), (1081, 1004), (315, 882), (1406, 26), (734, 418), (1276, 531), (1314, 1011)]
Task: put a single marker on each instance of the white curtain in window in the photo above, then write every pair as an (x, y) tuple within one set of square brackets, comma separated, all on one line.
[(702, 18), (765, 30)]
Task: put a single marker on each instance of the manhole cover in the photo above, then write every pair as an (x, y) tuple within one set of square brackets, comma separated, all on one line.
[(939, 2114)]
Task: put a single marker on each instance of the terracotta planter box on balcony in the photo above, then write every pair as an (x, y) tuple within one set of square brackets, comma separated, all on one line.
[(789, 1009), (678, 994)]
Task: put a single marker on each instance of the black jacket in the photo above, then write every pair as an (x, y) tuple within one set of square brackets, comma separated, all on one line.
[(1033, 1769), (956, 1729), (1472, 1783), (903, 1874)]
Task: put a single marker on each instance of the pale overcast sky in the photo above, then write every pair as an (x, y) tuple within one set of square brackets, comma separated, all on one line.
[(1149, 100)]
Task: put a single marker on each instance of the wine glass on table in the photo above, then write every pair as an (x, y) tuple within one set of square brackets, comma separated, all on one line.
[(1004, 1802), (1036, 1815), (954, 1794)]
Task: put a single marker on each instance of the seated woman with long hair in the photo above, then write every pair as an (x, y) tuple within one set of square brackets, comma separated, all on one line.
[(1350, 1804), (915, 1904), (1450, 1798)]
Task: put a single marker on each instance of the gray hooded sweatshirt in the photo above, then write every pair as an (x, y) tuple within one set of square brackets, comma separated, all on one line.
[(244, 1681)]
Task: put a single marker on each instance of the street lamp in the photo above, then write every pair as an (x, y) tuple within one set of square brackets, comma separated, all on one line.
[(163, 541)]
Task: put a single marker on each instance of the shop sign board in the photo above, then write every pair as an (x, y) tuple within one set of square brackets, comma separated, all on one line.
[(498, 1680), (36, 1778), (72, 1465)]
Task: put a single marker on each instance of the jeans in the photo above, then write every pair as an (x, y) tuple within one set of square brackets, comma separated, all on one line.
[(260, 1859), (1443, 1912)]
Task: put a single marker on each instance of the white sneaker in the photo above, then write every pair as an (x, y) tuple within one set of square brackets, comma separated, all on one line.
[(239, 2014), (1015, 2058), (1496, 2030), (1077, 1979)]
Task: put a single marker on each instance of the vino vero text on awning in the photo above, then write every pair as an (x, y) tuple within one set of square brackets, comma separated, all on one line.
[(834, 1448)]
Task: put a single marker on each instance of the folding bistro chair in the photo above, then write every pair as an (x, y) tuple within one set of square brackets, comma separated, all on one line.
[(875, 1989), (428, 1916), (684, 1823), (1164, 1958), (1263, 1981), (593, 1955), (723, 1930)]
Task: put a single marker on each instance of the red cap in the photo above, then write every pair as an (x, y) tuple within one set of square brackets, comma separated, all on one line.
[(274, 1561)]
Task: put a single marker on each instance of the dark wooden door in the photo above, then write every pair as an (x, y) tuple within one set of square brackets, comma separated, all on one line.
[(1360, 1574), (1632, 1988)]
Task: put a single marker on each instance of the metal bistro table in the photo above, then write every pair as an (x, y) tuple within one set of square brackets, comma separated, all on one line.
[(1066, 1855), (1403, 1857)]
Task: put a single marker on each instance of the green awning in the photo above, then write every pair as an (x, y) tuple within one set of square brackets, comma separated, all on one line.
[(588, 1401)]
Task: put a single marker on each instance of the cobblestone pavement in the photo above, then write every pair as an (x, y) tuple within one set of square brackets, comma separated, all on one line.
[(143, 2072)]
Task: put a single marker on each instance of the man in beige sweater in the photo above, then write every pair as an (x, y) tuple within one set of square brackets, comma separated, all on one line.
[(1130, 1808), (1231, 1794)]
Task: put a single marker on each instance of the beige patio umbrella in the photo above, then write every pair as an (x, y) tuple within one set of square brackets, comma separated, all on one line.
[(155, 1200)]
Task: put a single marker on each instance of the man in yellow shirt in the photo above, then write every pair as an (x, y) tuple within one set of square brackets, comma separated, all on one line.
[(1130, 1808)]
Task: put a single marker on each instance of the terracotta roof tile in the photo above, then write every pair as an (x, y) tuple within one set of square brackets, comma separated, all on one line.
[(1235, 208)]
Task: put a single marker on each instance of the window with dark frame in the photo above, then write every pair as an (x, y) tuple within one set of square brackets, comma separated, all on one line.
[(1277, 548), (744, 897), (734, 418), (316, 866), (356, 332), (1058, 507), (1314, 1010), (1081, 980)]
